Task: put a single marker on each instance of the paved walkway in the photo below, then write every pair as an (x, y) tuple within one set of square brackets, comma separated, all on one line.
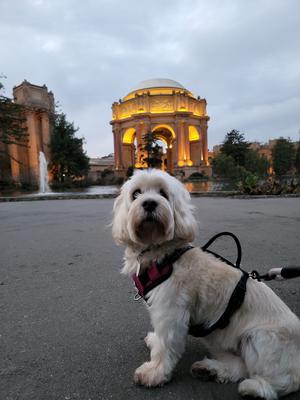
[(69, 326)]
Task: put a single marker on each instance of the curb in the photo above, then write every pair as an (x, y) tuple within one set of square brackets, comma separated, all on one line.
[(59, 197)]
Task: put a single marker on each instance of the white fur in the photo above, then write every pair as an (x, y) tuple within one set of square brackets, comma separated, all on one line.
[(261, 346)]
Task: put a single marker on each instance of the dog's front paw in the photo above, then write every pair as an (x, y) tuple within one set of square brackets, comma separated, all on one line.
[(149, 339), (150, 375)]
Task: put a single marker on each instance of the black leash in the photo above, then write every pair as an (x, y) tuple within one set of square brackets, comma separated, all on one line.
[(288, 272)]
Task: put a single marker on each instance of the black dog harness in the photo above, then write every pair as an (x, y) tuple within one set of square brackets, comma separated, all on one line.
[(158, 272)]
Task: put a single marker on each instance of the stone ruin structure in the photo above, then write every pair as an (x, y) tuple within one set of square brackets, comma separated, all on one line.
[(39, 107)]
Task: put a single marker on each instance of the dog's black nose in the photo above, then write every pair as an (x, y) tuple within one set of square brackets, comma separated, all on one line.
[(149, 205)]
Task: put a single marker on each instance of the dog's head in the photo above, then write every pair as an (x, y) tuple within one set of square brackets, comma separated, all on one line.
[(153, 208)]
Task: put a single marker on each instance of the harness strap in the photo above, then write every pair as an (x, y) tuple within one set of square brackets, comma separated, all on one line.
[(158, 272), (236, 300), (238, 245)]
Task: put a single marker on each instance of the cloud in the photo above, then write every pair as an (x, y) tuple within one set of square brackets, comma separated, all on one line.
[(243, 57)]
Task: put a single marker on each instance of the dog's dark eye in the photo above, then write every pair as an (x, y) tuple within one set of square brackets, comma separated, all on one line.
[(163, 194), (136, 193)]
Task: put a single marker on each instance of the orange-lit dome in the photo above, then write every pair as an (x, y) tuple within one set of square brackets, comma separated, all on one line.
[(156, 86), (157, 83)]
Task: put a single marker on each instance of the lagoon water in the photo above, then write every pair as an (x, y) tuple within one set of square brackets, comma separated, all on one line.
[(205, 186), (88, 191)]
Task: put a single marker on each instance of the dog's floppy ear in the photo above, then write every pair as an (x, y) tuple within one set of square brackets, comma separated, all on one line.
[(119, 224), (185, 223)]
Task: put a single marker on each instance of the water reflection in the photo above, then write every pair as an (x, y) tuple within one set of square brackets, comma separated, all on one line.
[(91, 190), (209, 186), (204, 186)]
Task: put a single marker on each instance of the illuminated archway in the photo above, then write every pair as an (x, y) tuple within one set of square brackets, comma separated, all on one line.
[(166, 135), (193, 133), (129, 146), (162, 138), (128, 136), (162, 127), (195, 144)]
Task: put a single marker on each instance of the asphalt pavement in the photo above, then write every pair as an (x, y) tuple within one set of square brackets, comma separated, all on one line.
[(69, 327)]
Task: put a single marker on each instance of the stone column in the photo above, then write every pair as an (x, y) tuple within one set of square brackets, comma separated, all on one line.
[(174, 152), (141, 130), (200, 153), (179, 131), (139, 142), (173, 145), (187, 144), (14, 164), (39, 131), (132, 154), (33, 151), (204, 141), (46, 139), (46, 135), (117, 147)]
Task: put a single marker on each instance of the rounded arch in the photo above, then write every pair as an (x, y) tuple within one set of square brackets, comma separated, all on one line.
[(162, 138), (128, 136), (193, 133), (164, 126)]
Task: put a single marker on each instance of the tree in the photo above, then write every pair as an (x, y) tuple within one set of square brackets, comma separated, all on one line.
[(12, 125), (224, 166), (152, 149), (283, 156), (235, 146), (68, 159), (255, 163), (297, 159)]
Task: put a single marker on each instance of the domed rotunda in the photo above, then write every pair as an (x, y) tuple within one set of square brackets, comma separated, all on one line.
[(176, 117)]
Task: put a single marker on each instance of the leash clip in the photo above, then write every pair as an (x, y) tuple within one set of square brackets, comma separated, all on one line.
[(255, 275), (137, 296)]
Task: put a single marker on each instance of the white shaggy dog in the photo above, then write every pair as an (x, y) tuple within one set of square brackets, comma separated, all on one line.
[(260, 348)]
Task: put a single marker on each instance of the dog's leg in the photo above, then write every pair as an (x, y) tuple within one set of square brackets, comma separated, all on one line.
[(166, 344), (226, 368), (257, 387), (271, 359)]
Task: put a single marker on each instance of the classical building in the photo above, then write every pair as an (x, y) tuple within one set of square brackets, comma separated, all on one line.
[(99, 165), (174, 114), (38, 105)]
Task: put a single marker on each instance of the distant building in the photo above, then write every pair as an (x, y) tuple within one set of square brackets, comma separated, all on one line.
[(216, 149), (98, 165)]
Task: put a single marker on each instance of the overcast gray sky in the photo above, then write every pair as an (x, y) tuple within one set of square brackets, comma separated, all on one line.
[(243, 56)]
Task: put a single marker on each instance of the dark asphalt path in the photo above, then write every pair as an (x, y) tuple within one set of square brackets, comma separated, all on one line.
[(69, 327)]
